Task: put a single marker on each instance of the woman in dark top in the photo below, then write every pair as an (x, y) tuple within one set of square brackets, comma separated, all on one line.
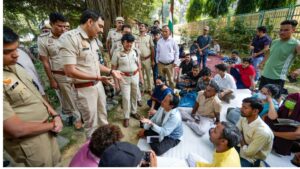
[(161, 90), (286, 136)]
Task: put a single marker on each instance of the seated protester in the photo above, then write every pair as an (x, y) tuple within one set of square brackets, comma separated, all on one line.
[(225, 81), (215, 50), (223, 57), (266, 96), (193, 48), (166, 123), (234, 58), (204, 80), (186, 65), (160, 91), (244, 74), (206, 110), (257, 137), (181, 51), (189, 81), (89, 154), (123, 154), (225, 136), (286, 135)]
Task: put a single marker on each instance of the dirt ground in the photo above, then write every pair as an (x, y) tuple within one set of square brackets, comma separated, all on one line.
[(115, 116)]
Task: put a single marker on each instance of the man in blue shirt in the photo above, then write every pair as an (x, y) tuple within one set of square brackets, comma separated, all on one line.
[(203, 42), (260, 44), (166, 124)]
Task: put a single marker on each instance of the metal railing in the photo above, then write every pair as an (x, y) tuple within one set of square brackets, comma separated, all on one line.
[(252, 20)]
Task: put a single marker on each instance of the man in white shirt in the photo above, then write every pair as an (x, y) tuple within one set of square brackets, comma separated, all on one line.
[(225, 81), (257, 136), (167, 55)]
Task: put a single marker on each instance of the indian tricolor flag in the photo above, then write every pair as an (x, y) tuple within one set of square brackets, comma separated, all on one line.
[(170, 24)]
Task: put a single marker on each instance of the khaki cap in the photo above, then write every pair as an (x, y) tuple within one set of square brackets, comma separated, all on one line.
[(206, 28), (120, 18)]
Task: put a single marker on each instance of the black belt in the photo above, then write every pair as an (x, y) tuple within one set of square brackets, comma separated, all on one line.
[(166, 63)]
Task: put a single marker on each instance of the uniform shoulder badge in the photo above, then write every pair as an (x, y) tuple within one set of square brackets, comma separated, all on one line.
[(44, 34), (7, 81), (112, 29)]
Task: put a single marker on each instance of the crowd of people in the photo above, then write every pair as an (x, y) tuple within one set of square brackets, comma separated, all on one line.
[(145, 60)]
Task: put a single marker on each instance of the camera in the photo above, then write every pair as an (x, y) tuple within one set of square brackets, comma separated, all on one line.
[(146, 159)]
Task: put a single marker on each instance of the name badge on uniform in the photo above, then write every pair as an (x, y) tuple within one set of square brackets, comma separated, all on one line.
[(14, 86)]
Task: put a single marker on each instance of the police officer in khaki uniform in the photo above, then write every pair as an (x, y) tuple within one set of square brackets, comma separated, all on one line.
[(79, 50), (127, 61), (48, 51), (125, 30), (144, 43), (29, 122), (114, 35)]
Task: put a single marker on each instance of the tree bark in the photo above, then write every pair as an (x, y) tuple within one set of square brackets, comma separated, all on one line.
[(109, 9)]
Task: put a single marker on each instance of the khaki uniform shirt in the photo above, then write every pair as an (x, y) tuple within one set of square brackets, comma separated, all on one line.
[(144, 44), (259, 138), (77, 49), (208, 106), (21, 98), (114, 36), (48, 46), (126, 62)]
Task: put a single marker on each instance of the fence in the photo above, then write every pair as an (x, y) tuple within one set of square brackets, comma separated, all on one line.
[(252, 20)]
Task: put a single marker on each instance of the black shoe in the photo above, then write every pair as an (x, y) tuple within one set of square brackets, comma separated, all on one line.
[(6, 163), (291, 79)]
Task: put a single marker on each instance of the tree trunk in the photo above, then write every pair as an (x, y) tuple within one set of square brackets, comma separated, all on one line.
[(109, 9)]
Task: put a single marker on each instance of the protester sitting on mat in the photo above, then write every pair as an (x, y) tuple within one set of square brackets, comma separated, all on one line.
[(244, 74), (257, 140), (234, 58), (186, 65), (189, 81), (225, 136), (287, 136), (204, 80), (206, 110), (266, 96), (89, 154), (193, 48), (225, 81), (160, 91), (166, 125), (215, 51)]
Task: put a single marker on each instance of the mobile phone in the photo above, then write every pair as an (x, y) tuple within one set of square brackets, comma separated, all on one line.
[(146, 159)]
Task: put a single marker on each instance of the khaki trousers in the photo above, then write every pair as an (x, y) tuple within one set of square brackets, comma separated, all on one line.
[(167, 71), (67, 96), (147, 74), (129, 89), (91, 102), (37, 151)]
